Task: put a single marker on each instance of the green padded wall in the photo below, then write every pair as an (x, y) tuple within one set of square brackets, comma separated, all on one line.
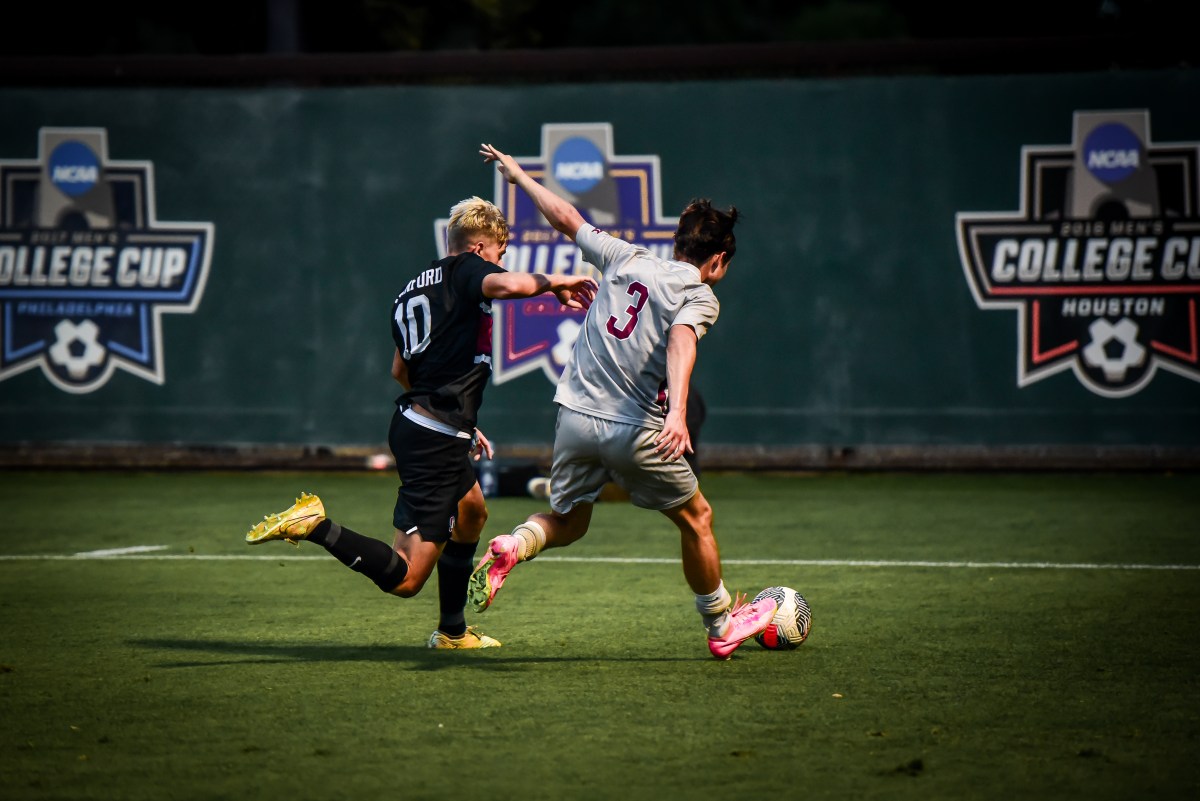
[(846, 317)]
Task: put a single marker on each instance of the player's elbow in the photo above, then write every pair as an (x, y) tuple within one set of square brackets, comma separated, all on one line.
[(499, 286), (505, 292), (569, 224), (508, 286)]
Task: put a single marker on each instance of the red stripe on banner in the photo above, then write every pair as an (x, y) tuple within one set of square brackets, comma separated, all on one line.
[(1038, 355), (1192, 355)]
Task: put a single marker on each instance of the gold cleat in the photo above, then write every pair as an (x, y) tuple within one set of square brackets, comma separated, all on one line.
[(294, 524), (472, 639)]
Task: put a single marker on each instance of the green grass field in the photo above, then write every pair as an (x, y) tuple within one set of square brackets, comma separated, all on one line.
[(974, 636)]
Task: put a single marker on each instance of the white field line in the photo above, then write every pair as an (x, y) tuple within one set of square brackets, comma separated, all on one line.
[(120, 551), (140, 553)]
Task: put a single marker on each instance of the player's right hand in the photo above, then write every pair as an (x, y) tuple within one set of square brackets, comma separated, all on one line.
[(506, 164), (577, 291)]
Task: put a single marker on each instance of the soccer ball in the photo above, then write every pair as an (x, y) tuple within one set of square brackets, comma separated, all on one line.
[(790, 625)]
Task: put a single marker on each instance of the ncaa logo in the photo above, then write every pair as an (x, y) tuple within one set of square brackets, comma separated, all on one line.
[(87, 270), (1101, 262), (74, 169), (578, 165), (1112, 152)]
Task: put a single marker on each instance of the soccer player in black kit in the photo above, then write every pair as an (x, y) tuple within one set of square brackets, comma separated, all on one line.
[(441, 325)]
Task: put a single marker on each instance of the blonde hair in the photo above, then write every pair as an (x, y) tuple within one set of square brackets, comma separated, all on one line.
[(473, 218)]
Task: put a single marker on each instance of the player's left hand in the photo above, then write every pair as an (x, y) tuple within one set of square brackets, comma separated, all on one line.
[(481, 446), (674, 440)]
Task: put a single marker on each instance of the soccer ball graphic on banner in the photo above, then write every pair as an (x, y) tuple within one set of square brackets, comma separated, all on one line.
[(790, 625)]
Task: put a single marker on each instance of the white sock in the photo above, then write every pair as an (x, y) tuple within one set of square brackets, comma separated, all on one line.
[(534, 538), (714, 610)]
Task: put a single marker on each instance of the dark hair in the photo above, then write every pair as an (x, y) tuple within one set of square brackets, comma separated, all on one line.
[(704, 231)]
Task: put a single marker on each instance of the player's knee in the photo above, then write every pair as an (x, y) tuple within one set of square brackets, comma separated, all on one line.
[(694, 518), (421, 565), (408, 587), (396, 578), (403, 590)]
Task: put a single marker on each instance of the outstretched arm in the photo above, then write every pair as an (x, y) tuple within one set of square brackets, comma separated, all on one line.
[(561, 215), (572, 291), (675, 440)]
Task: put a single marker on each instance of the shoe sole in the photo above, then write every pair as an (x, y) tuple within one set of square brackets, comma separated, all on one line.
[(455, 647), (479, 588), (275, 530), (273, 533), (266, 536)]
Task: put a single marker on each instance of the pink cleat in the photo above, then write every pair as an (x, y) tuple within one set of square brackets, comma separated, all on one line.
[(502, 555), (745, 620)]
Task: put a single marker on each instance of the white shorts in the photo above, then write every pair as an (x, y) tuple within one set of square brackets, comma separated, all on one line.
[(590, 451)]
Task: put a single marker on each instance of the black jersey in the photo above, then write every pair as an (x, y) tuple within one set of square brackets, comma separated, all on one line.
[(442, 324)]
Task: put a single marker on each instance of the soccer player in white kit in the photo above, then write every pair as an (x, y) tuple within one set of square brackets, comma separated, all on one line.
[(623, 403)]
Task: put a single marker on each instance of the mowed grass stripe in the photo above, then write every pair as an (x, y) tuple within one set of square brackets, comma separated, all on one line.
[(124, 555)]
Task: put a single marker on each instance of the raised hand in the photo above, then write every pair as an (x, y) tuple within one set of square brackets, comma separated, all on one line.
[(505, 163)]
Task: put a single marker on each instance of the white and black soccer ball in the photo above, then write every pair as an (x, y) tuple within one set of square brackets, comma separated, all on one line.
[(792, 619)]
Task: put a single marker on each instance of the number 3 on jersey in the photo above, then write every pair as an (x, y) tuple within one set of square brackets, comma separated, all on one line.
[(414, 332), (638, 291)]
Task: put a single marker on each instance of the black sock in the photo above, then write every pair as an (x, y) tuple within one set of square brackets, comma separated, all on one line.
[(454, 570), (374, 559)]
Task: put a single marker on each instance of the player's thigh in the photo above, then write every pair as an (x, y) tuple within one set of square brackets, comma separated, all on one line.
[(472, 515), (577, 473), (651, 482)]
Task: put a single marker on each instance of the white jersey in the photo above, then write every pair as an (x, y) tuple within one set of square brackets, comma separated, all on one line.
[(618, 368)]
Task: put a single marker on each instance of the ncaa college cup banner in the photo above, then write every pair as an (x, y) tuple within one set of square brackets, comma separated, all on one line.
[(1102, 260), (86, 268), (619, 194)]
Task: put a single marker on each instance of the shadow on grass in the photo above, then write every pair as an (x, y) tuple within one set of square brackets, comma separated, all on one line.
[(419, 657)]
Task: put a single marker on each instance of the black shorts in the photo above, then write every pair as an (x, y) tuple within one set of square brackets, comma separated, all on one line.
[(435, 474)]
